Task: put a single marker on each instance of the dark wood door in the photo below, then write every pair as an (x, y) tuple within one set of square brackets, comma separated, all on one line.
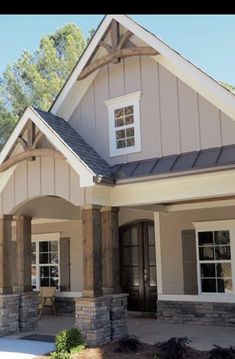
[(138, 266)]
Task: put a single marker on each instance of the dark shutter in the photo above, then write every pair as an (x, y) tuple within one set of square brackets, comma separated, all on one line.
[(189, 261), (64, 264)]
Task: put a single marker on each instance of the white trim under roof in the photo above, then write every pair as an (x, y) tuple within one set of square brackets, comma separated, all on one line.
[(205, 85)]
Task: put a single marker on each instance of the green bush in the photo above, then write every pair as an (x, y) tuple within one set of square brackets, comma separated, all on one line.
[(68, 339)]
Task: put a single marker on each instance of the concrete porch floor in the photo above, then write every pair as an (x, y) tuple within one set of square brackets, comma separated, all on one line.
[(149, 330)]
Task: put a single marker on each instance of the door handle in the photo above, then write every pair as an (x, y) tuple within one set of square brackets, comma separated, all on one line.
[(145, 276)]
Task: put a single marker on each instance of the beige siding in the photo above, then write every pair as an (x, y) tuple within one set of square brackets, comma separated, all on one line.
[(188, 116), (41, 178), (171, 225), (209, 124), (129, 215), (174, 118), (73, 230)]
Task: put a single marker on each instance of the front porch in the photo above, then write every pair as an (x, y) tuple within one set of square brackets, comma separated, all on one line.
[(149, 331)]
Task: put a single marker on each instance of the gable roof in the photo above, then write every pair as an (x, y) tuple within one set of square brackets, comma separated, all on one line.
[(77, 144), (202, 83), (82, 158)]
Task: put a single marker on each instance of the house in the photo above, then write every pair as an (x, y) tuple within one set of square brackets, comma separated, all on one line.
[(123, 194)]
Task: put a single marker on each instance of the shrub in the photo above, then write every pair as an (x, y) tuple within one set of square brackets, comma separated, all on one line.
[(221, 353), (174, 348), (68, 339), (128, 344)]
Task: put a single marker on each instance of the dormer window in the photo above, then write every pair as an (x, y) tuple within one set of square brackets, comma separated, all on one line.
[(124, 124)]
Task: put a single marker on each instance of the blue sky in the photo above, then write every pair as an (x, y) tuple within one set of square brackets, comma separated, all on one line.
[(206, 40)]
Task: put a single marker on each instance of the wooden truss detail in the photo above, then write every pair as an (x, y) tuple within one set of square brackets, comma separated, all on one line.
[(27, 154), (30, 151), (116, 51)]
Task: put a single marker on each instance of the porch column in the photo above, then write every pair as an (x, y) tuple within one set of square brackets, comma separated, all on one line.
[(28, 300), (9, 303), (23, 254), (111, 272), (92, 310), (5, 254), (110, 250), (92, 254)]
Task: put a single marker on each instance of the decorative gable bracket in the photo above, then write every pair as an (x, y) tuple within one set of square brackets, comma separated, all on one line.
[(116, 51)]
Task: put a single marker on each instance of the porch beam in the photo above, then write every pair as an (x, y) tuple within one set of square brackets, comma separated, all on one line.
[(38, 152), (92, 254), (120, 53), (110, 250), (22, 277), (6, 258)]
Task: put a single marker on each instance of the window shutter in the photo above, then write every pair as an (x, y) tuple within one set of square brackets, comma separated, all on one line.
[(64, 264), (189, 261)]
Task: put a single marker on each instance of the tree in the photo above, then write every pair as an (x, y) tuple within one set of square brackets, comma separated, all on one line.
[(228, 86), (35, 79)]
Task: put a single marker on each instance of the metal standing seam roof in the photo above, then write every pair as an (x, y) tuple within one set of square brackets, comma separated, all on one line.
[(204, 159)]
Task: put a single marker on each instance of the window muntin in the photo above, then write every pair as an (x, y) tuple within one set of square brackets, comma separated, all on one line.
[(124, 124), (45, 264), (214, 255)]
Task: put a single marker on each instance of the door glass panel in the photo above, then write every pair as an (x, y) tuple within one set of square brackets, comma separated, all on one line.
[(152, 255), (152, 277), (134, 238), (135, 276), (151, 238), (126, 238), (130, 255)]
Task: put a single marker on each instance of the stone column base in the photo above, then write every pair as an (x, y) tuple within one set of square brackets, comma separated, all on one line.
[(9, 314), (102, 319), (118, 315), (92, 318), (28, 311)]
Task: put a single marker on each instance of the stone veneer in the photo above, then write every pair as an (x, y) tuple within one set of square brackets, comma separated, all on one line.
[(9, 314), (118, 315), (206, 313), (28, 311), (102, 319)]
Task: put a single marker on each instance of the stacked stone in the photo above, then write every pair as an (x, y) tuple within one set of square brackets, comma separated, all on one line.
[(9, 314), (118, 315), (92, 319), (207, 313), (28, 311)]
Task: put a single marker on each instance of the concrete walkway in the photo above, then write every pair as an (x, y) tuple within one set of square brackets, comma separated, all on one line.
[(148, 330), (203, 337)]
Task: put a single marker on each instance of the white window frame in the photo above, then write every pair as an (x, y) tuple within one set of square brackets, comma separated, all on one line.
[(220, 225), (45, 237), (132, 99)]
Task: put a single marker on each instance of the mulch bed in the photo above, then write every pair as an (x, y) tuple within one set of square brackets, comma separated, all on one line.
[(146, 351)]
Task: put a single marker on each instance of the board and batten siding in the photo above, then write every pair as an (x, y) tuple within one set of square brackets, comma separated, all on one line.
[(42, 177), (174, 118)]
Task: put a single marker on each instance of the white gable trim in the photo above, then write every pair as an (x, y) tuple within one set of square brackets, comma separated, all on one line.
[(184, 69), (81, 64), (85, 173), (169, 58)]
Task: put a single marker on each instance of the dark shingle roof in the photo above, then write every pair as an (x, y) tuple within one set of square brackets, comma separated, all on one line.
[(210, 158), (77, 144)]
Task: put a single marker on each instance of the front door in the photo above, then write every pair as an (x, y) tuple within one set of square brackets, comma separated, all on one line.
[(138, 266)]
